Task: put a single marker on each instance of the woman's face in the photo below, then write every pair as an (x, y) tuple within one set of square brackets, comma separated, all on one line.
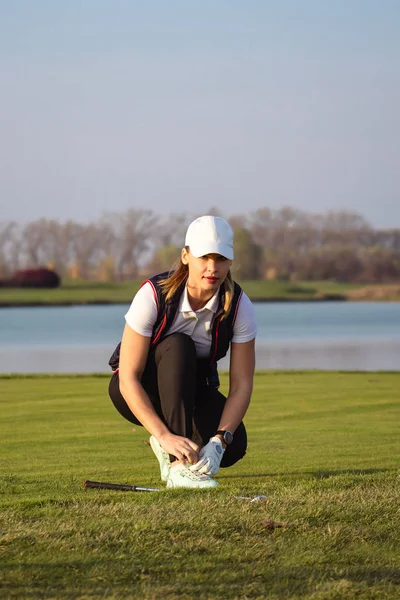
[(206, 272)]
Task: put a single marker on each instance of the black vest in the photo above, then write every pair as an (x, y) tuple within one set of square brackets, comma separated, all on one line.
[(222, 329)]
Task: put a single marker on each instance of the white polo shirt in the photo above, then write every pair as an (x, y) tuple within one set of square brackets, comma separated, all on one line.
[(142, 315)]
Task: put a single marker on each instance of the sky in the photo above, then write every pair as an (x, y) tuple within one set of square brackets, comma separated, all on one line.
[(183, 105)]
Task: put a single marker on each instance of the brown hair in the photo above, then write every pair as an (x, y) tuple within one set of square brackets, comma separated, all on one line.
[(180, 272)]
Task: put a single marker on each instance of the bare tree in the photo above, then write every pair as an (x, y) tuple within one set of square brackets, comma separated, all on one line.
[(285, 242), (171, 230), (343, 220), (59, 245), (247, 264), (130, 237), (33, 243), (238, 221), (7, 241), (214, 211), (86, 249)]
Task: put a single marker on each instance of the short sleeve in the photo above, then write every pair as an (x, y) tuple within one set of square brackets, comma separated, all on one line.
[(245, 328), (142, 313)]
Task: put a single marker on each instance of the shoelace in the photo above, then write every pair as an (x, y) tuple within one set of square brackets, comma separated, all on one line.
[(192, 475)]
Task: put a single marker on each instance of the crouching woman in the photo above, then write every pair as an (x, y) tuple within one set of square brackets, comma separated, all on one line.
[(165, 369)]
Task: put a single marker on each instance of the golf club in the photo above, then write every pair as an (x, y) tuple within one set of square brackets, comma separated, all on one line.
[(117, 486)]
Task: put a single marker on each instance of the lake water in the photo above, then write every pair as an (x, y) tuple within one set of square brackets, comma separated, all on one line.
[(291, 335)]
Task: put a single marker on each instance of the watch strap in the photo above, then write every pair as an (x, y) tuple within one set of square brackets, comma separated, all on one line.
[(223, 432)]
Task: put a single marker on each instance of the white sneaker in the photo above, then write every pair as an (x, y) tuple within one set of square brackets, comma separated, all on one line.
[(180, 476), (162, 457)]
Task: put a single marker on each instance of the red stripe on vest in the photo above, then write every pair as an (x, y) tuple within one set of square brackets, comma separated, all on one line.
[(163, 324), (154, 290)]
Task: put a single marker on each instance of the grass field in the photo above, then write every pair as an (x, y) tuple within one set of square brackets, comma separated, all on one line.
[(85, 292), (323, 448)]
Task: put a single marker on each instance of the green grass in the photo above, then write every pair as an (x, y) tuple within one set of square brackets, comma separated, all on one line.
[(323, 448), (82, 292), (85, 292)]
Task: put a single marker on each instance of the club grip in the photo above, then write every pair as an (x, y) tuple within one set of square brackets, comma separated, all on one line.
[(109, 486)]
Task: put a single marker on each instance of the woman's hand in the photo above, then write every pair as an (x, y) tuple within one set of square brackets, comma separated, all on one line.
[(184, 449), (210, 457)]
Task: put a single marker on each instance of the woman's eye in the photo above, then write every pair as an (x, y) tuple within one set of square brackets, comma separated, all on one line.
[(216, 258)]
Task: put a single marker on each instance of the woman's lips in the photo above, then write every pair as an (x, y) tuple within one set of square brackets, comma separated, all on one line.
[(211, 279)]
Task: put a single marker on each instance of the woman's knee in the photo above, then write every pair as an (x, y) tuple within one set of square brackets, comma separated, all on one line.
[(235, 451), (230, 458), (178, 344), (119, 401)]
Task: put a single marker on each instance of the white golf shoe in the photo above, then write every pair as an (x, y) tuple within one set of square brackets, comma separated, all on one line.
[(162, 457), (180, 476)]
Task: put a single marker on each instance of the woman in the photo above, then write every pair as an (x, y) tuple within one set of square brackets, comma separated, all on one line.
[(165, 369)]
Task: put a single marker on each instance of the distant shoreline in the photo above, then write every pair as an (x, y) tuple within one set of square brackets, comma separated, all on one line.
[(87, 294), (333, 298)]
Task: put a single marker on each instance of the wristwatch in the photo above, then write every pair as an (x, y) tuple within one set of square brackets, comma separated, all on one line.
[(227, 436)]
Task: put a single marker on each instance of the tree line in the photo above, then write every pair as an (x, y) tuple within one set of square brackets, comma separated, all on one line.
[(269, 244)]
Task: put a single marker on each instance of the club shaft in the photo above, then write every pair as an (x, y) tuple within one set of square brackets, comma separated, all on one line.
[(105, 485)]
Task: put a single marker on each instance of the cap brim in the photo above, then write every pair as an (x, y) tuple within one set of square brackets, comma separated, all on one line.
[(201, 249)]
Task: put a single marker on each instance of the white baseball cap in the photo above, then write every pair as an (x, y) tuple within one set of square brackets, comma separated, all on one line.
[(210, 235)]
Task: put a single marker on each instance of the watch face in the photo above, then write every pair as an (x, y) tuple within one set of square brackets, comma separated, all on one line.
[(228, 437)]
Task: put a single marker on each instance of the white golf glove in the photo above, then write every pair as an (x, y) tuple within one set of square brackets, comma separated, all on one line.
[(210, 457)]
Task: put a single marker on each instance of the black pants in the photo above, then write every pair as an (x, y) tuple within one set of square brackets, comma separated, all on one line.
[(176, 385)]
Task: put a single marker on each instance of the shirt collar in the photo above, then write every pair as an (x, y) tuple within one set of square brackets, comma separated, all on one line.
[(212, 304)]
